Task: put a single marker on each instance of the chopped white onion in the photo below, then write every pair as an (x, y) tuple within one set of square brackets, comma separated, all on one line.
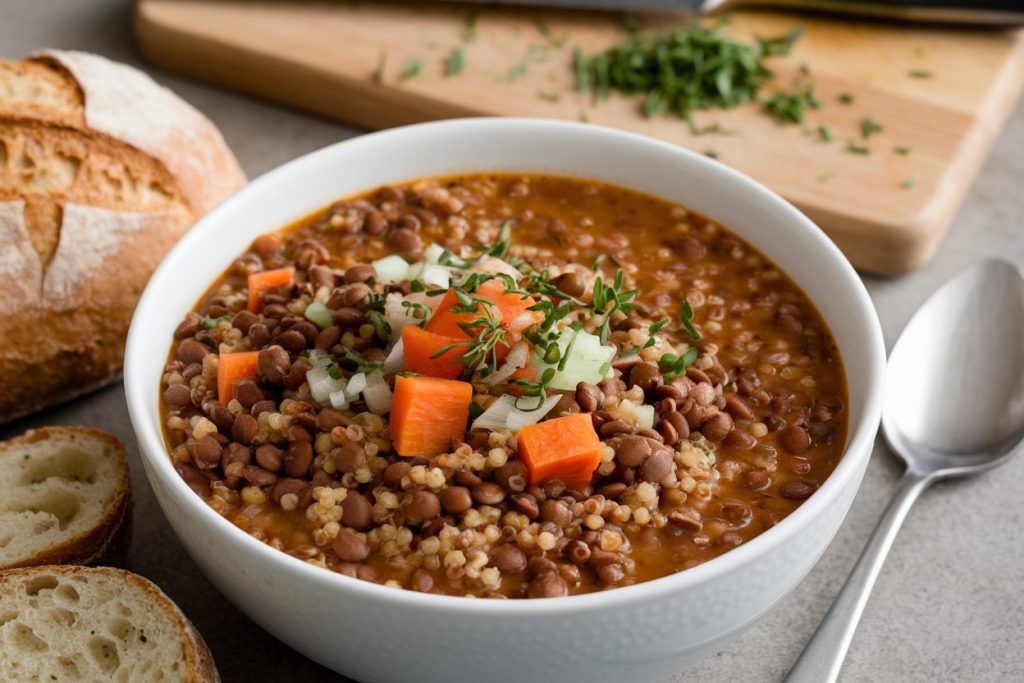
[(432, 254), (517, 419), (377, 394), (436, 277), (390, 269), (320, 358), (517, 358), (588, 360), (322, 386), (338, 400), (503, 414), (396, 359), (356, 384), (319, 315), (495, 266)]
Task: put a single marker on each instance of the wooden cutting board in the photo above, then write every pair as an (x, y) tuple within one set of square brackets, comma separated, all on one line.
[(888, 211)]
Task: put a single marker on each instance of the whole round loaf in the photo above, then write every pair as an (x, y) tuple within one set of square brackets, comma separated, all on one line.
[(101, 171)]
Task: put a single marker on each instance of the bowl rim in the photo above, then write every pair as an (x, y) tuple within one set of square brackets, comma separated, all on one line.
[(859, 441)]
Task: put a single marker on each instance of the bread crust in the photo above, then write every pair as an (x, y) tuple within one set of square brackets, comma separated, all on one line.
[(199, 664), (105, 543), (101, 171)]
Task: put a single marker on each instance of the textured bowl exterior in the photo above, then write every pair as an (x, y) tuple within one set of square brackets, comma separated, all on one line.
[(638, 633)]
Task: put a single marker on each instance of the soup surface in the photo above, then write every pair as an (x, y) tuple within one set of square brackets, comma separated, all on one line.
[(504, 386)]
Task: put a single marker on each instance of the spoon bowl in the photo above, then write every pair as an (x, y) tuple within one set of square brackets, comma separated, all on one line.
[(955, 382), (954, 406)]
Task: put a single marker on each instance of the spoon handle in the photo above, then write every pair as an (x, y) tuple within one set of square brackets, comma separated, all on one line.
[(823, 656)]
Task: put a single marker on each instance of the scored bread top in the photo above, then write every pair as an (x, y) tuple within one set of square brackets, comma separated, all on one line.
[(78, 623), (64, 497)]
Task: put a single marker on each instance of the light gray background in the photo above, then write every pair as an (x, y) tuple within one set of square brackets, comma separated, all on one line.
[(949, 605)]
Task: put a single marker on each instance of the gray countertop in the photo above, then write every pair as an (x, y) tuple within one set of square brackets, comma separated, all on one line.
[(949, 604)]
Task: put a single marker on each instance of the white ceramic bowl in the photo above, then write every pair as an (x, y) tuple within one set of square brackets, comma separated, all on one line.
[(637, 633)]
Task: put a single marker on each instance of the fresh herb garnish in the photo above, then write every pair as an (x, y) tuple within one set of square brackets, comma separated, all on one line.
[(868, 127), (713, 128), (413, 67), (469, 31), (536, 390), (902, 151), (792, 106), (419, 311), (825, 177), (824, 134), (907, 184), (920, 73), (380, 326), (210, 323), (549, 37), (608, 299), (475, 410), (548, 96), (673, 366), (690, 69), (845, 98), (535, 53), (711, 153), (686, 318), (598, 260), (853, 148), (455, 63)]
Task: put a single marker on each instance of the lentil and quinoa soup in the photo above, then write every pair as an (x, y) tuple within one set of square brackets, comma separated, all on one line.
[(504, 386)]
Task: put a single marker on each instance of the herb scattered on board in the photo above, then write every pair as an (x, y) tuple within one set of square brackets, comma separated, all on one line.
[(548, 96), (690, 69), (382, 62), (549, 37), (902, 151), (792, 106), (907, 184), (854, 148), (713, 128), (868, 127), (469, 30), (824, 134), (455, 63), (920, 73), (825, 177), (413, 68), (535, 53), (711, 153), (845, 98)]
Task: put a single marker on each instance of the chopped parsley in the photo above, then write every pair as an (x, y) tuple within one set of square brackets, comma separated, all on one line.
[(469, 30), (686, 70), (869, 127), (920, 73), (210, 323), (455, 63), (792, 106), (854, 148), (824, 134), (908, 184), (902, 151), (686, 318), (413, 68), (845, 98)]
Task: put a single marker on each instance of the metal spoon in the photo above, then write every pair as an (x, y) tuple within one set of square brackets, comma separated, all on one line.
[(954, 406)]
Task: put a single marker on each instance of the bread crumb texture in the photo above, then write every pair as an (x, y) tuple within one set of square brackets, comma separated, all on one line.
[(64, 624), (63, 496)]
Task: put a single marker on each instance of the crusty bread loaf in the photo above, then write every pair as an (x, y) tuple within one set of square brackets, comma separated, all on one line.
[(101, 170), (64, 498), (95, 624)]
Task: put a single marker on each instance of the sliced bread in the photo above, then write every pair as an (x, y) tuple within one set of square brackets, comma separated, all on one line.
[(95, 624), (64, 498)]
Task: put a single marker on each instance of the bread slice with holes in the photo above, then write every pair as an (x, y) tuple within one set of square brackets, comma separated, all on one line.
[(65, 498), (101, 171), (95, 624)]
